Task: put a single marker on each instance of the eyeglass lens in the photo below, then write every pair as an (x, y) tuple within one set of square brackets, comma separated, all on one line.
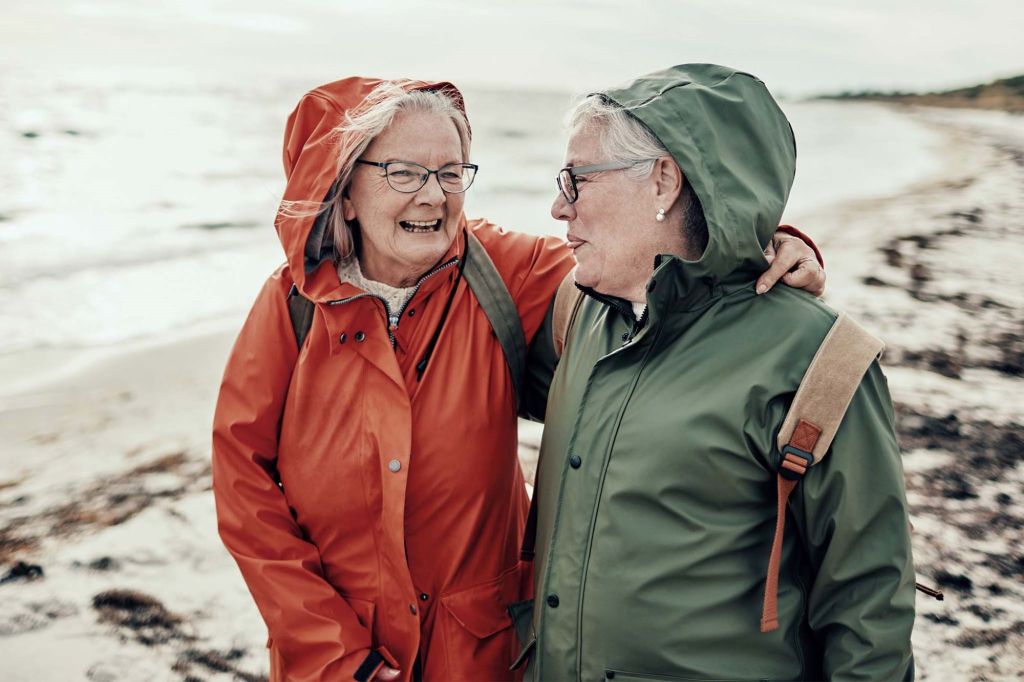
[(567, 184), (410, 177)]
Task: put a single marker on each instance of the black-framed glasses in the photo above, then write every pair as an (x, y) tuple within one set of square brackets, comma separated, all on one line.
[(409, 177), (566, 178)]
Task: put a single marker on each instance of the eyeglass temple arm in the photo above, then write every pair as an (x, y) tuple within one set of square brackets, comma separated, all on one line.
[(595, 167)]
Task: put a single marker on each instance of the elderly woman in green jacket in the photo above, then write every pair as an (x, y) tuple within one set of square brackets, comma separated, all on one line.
[(656, 487)]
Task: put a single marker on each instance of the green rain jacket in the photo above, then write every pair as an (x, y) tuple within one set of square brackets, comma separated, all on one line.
[(656, 484)]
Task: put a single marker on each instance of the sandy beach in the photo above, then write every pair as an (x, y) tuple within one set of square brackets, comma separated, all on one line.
[(111, 569)]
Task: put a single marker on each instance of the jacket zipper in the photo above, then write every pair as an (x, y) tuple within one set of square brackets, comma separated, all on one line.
[(624, 309), (394, 319)]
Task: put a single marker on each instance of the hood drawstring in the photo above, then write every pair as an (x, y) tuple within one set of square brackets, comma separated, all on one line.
[(421, 366)]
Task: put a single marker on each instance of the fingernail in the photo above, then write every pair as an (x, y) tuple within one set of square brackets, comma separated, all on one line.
[(761, 288)]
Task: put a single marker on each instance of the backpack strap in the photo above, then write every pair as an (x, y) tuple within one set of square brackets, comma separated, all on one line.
[(500, 309), (300, 310), (818, 408), (567, 302)]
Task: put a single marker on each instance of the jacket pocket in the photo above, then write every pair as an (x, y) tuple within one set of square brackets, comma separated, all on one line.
[(364, 609), (479, 640)]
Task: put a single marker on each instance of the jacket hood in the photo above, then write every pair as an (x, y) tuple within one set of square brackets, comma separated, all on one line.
[(311, 151), (736, 149)]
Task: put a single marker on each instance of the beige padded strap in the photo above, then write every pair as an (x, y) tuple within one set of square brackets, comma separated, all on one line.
[(567, 300), (830, 382)]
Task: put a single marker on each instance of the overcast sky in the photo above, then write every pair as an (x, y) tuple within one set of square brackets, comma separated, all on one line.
[(798, 47)]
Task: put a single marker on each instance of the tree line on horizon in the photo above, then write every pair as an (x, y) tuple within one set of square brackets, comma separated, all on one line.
[(1005, 93)]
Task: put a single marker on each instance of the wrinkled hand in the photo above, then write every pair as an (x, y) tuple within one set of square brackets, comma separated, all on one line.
[(385, 674), (794, 262)]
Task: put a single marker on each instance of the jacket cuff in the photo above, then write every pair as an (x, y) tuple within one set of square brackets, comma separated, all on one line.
[(789, 229)]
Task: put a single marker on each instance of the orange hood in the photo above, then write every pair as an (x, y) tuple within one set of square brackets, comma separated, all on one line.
[(311, 164)]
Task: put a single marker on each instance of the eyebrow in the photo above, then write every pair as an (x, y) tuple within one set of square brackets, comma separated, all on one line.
[(401, 160)]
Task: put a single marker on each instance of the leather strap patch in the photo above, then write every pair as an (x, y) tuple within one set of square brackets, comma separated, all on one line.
[(805, 436)]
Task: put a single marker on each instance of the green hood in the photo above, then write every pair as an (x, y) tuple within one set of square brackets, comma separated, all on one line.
[(737, 151)]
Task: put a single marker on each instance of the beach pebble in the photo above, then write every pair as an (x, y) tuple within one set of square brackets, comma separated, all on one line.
[(23, 571)]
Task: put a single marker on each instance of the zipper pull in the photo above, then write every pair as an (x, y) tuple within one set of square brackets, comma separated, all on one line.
[(392, 322)]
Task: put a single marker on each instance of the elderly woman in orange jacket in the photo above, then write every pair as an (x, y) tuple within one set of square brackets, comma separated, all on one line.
[(367, 482)]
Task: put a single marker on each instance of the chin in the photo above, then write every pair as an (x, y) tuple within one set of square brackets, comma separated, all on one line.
[(585, 278), (426, 249)]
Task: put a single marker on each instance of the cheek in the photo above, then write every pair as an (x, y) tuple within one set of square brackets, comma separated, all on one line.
[(376, 202), (455, 204), (598, 221), (383, 211)]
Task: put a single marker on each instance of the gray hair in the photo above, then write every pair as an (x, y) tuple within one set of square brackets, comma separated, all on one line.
[(355, 133), (623, 137), (626, 139)]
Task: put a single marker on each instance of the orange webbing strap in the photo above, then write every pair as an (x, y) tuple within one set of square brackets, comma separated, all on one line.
[(770, 611), (796, 460)]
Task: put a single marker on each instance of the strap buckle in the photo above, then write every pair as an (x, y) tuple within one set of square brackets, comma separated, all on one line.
[(795, 463)]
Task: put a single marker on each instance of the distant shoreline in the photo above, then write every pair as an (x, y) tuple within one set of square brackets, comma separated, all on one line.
[(1006, 94), (1014, 105)]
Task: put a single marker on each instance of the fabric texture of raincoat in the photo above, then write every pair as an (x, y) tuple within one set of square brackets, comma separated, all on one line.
[(656, 485), (396, 526)]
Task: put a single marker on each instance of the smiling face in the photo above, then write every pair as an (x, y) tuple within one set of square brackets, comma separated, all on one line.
[(612, 227), (404, 235)]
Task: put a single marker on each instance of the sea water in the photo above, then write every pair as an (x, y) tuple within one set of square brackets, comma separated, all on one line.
[(133, 210)]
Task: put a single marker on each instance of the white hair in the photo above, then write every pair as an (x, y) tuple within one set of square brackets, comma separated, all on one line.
[(355, 133), (623, 137)]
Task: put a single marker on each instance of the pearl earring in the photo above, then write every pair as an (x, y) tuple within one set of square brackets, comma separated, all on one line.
[(661, 215)]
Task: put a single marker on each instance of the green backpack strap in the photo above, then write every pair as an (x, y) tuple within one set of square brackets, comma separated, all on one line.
[(300, 309), (490, 291), (500, 309)]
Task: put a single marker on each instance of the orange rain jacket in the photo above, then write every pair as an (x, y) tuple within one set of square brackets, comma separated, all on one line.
[(397, 524)]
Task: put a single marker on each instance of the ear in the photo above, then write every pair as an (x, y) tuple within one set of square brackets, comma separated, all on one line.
[(348, 211), (668, 181)]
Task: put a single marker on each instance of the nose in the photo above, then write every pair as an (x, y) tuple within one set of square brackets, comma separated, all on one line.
[(431, 193), (561, 209)]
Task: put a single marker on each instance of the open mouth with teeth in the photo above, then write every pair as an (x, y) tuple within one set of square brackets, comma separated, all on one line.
[(420, 226)]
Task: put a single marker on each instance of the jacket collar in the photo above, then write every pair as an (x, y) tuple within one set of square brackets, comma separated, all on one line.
[(673, 287)]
